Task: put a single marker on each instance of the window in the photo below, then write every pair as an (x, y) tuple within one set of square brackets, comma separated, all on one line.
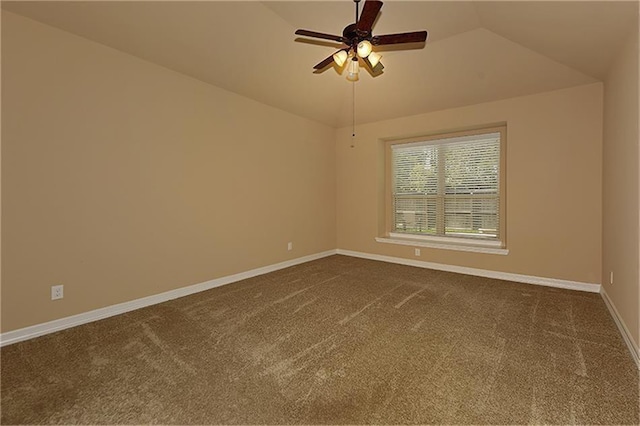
[(448, 188)]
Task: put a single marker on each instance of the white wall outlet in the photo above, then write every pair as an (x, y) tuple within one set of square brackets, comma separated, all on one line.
[(57, 292), (611, 277), (289, 246), (417, 251)]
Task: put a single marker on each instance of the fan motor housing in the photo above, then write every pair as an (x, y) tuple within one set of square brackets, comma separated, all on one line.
[(353, 35)]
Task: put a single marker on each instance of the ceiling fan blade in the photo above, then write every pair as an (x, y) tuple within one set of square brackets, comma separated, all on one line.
[(324, 63), (314, 34), (414, 37), (368, 15)]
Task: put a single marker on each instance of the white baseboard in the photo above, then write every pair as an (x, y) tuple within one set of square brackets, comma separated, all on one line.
[(507, 276), (109, 311), (626, 335), (98, 314)]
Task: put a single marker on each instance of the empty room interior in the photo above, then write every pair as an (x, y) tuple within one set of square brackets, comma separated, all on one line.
[(329, 212)]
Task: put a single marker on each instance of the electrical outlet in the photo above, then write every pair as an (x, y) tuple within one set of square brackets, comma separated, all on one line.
[(57, 292), (417, 251), (611, 277), (289, 246)]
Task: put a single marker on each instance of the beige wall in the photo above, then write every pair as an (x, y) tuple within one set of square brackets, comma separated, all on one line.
[(554, 145), (620, 186), (122, 179)]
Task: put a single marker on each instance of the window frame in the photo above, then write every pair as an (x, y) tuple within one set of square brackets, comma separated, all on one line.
[(442, 241)]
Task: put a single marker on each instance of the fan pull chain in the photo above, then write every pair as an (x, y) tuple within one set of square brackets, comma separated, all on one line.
[(353, 129)]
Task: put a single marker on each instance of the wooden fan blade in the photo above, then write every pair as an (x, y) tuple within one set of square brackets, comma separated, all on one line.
[(324, 63), (314, 34), (414, 37), (368, 16)]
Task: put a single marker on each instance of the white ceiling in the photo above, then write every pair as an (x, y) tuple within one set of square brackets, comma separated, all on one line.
[(476, 51)]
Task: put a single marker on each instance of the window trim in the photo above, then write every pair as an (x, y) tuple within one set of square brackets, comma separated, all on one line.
[(444, 246), (440, 241)]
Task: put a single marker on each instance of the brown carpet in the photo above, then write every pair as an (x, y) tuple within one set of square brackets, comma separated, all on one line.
[(337, 340)]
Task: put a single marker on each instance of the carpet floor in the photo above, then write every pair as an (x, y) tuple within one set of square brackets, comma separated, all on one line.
[(339, 340)]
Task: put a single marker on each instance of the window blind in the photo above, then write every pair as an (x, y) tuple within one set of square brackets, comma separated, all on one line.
[(448, 187)]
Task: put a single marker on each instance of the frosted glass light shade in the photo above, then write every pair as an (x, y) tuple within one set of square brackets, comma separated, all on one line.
[(353, 70), (364, 48), (374, 58), (340, 57)]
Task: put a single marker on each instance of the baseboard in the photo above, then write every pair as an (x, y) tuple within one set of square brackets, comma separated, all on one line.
[(507, 276), (626, 335), (37, 330)]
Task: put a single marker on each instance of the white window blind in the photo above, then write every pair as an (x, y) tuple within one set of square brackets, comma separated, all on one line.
[(448, 187)]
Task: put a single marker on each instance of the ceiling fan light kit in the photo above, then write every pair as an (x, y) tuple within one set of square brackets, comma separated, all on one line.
[(354, 69), (364, 48), (374, 58), (359, 41), (340, 57)]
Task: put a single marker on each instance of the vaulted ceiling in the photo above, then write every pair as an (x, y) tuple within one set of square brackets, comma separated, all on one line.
[(476, 51)]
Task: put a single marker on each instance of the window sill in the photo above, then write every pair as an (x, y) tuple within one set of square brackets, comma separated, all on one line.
[(444, 246)]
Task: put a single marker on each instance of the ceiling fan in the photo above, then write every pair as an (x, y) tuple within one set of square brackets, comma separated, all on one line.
[(359, 41)]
